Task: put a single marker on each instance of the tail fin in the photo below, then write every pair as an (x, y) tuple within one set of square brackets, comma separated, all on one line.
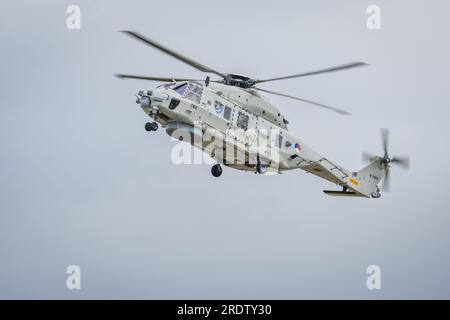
[(366, 180)]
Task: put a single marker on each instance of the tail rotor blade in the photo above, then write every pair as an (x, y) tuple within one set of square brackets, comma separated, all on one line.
[(385, 140), (385, 161), (401, 161), (387, 182)]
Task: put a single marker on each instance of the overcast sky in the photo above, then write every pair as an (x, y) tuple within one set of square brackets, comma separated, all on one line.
[(83, 183)]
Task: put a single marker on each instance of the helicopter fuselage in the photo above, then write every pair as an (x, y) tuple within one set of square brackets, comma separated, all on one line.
[(255, 129)]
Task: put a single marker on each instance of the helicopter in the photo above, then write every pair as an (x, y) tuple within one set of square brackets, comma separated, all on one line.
[(235, 125)]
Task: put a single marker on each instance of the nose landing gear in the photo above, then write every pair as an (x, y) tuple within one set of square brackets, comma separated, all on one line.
[(152, 126), (216, 170)]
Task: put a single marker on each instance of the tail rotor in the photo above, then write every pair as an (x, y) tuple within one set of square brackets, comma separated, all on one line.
[(385, 161)]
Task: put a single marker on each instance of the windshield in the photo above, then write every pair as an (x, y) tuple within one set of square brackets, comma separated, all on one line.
[(181, 88), (167, 85)]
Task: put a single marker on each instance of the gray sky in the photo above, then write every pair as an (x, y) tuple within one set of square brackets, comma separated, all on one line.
[(83, 183)]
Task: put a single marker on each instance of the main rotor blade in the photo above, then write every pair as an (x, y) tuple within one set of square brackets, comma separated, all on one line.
[(163, 79), (402, 161), (172, 53), (387, 182), (331, 69), (304, 100), (385, 140)]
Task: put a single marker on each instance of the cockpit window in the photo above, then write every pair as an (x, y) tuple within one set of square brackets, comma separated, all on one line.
[(194, 92), (181, 88)]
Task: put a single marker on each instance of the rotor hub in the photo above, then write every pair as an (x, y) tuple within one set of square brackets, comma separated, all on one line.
[(238, 81)]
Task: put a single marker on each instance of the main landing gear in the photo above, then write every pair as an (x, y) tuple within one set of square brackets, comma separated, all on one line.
[(261, 168), (216, 170)]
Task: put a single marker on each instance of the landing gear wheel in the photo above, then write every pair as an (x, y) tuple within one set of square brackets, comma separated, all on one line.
[(151, 126), (216, 170), (260, 168)]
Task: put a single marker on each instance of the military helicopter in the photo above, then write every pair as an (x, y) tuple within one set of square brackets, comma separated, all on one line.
[(245, 131)]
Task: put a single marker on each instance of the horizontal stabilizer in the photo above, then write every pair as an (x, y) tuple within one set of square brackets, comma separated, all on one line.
[(342, 193)]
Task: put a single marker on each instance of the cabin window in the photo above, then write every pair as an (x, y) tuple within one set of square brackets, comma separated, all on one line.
[(242, 121), (219, 107), (227, 113), (278, 140), (193, 92)]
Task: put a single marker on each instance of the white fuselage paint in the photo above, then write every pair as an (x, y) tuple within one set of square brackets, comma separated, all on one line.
[(262, 117)]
